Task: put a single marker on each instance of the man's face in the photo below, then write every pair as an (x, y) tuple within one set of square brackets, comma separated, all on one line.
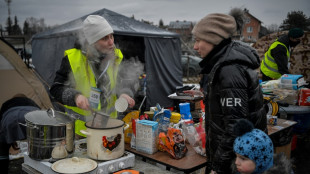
[(294, 41), (202, 47), (106, 44)]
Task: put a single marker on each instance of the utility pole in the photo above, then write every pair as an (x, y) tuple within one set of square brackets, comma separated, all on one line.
[(9, 10)]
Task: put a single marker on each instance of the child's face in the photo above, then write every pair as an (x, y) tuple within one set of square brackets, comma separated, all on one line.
[(244, 165)]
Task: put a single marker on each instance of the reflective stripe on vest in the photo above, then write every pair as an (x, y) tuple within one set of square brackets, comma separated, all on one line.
[(84, 81), (268, 65)]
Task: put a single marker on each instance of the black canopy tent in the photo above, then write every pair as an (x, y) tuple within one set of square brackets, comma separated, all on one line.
[(158, 49)]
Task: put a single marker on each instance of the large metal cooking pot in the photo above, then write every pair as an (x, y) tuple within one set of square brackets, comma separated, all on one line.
[(50, 134), (105, 143)]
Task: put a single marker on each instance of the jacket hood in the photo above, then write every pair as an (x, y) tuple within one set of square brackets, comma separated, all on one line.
[(239, 52), (285, 40), (280, 165), (233, 53)]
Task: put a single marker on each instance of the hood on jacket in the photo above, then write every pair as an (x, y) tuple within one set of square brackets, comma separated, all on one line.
[(285, 40), (280, 165), (230, 52), (239, 52)]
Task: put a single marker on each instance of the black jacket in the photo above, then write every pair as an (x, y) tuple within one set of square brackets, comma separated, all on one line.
[(230, 82), (279, 55)]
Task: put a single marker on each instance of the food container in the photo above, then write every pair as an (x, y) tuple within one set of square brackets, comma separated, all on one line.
[(146, 136), (175, 117), (105, 143), (47, 131)]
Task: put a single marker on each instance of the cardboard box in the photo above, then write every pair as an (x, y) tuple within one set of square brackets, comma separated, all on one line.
[(147, 136), (286, 149)]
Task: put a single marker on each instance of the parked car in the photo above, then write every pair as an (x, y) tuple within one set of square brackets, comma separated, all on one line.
[(190, 65)]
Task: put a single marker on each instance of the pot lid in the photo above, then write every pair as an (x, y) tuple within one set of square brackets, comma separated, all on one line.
[(48, 117), (74, 165), (112, 123)]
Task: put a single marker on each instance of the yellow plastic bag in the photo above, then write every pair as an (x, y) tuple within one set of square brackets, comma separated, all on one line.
[(127, 119)]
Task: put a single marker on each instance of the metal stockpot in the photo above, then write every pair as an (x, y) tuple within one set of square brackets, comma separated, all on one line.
[(48, 131)]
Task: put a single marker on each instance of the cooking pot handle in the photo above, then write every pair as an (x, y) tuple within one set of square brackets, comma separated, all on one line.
[(31, 127), (53, 113), (22, 124), (126, 127), (85, 132)]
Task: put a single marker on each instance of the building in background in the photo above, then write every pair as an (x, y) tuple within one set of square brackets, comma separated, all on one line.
[(251, 28), (184, 28)]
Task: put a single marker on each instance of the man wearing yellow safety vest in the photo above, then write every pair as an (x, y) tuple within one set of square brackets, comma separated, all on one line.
[(276, 60), (87, 77)]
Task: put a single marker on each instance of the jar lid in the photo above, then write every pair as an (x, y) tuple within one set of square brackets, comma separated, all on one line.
[(74, 165), (48, 117)]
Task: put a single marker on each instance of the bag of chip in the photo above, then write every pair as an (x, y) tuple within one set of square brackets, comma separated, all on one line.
[(173, 143)]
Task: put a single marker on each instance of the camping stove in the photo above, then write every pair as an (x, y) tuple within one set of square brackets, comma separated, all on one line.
[(110, 166)]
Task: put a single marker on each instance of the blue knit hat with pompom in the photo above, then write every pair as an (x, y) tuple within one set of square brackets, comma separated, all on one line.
[(253, 144)]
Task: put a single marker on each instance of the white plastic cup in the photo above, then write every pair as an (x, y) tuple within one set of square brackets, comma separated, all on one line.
[(121, 104)]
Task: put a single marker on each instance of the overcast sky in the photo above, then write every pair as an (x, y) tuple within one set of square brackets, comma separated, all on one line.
[(62, 11)]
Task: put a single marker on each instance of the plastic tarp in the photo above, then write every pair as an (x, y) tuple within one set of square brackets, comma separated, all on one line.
[(16, 78), (162, 54), (163, 73)]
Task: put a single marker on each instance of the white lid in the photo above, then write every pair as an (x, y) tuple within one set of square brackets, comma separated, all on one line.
[(74, 165)]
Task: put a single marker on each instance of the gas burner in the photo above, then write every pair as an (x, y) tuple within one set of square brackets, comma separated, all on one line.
[(83, 146), (109, 166)]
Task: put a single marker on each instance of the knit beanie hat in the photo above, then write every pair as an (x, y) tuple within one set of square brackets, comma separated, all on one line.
[(96, 27), (295, 33), (253, 144), (215, 27)]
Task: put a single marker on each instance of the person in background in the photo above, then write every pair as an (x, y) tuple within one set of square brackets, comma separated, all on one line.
[(12, 113), (276, 60), (88, 72), (254, 152), (230, 85)]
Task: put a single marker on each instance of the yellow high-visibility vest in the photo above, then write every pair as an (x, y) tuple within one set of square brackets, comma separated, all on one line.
[(85, 79), (268, 65)]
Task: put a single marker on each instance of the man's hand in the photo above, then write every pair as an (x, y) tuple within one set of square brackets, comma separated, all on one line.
[(82, 102), (131, 101)]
